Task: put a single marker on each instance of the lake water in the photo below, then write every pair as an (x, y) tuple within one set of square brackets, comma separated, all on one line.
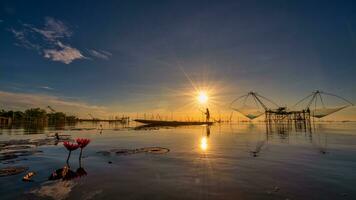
[(228, 161)]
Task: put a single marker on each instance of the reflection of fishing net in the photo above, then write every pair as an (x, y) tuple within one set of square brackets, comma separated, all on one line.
[(322, 104), (252, 105)]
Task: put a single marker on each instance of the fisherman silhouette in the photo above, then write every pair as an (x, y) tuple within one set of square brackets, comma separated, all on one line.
[(207, 114)]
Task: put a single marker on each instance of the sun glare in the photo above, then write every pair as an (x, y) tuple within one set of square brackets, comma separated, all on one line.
[(204, 143), (202, 97)]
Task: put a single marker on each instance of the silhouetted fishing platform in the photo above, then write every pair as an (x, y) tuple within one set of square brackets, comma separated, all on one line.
[(282, 114), (275, 113), (171, 123)]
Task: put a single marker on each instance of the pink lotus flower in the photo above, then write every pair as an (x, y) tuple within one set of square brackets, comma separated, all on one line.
[(70, 146), (82, 142)]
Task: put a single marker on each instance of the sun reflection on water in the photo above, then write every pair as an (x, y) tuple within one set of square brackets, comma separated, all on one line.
[(204, 143)]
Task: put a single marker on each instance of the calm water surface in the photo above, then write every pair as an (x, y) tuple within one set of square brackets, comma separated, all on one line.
[(237, 161)]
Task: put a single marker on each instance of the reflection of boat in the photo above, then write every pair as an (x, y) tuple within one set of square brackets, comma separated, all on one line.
[(170, 123)]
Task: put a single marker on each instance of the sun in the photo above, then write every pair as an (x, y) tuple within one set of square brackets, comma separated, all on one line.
[(202, 97)]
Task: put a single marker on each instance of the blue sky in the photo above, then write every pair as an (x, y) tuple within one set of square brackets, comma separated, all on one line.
[(130, 56)]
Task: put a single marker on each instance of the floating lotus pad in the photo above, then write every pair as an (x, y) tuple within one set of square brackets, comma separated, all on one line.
[(156, 150), (104, 153), (153, 150), (30, 142), (9, 171), (14, 154), (16, 147), (12, 149)]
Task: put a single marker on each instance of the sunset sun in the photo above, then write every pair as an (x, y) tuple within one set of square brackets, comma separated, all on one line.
[(202, 97)]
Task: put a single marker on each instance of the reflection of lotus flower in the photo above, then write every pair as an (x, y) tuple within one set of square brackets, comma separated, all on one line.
[(70, 147), (82, 142)]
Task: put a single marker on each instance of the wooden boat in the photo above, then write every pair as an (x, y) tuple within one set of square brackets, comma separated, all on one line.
[(171, 123)]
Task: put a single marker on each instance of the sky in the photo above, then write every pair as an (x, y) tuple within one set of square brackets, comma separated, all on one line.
[(115, 57)]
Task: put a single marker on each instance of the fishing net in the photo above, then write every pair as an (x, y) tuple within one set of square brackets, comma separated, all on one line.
[(322, 104), (252, 105), (322, 112), (248, 112)]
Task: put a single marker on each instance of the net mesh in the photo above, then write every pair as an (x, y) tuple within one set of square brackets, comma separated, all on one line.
[(252, 105), (322, 112), (249, 112), (322, 104)]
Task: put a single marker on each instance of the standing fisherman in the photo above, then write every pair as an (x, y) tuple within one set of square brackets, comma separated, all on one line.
[(207, 114)]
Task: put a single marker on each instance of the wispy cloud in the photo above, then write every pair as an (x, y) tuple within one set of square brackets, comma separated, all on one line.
[(100, 54), (48, 41), (22, 40), (53, 29), (21, 101), (64, 53), (46, 87)]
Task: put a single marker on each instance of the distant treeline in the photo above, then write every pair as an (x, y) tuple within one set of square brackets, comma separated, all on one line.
[(37, 115)]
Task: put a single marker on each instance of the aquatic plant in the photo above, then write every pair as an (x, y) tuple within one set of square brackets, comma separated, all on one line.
[(70, 147), (82, 143)]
